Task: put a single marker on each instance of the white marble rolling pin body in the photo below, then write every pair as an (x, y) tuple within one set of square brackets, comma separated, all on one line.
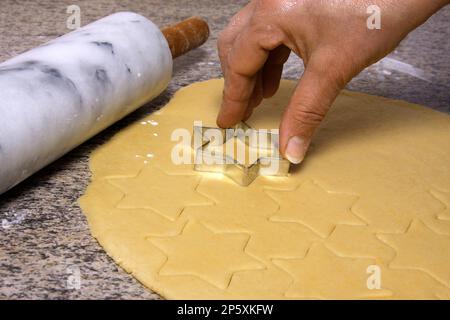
[(56, 96)]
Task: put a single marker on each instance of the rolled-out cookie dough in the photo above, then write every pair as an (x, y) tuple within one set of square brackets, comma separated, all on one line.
[(366, 215)]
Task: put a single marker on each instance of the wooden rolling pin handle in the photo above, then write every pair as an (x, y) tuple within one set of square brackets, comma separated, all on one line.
[(186, 35)]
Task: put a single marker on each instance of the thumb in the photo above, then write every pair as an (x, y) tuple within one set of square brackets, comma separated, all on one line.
[(308, 106)]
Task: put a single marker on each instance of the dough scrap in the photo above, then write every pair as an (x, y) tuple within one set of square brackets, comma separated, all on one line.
[(373, 190)]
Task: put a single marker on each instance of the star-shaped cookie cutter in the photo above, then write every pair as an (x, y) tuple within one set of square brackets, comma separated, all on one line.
[(266, 141)]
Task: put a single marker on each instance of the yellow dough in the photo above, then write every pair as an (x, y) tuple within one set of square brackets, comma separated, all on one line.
[(373, 192)]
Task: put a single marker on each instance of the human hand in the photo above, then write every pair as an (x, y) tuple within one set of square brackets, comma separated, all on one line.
[(330, 36)]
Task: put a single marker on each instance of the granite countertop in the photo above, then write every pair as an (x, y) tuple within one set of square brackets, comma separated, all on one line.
[(44, 236)]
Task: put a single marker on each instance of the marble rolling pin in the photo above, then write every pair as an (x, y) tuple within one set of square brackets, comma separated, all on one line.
[(58, 95)]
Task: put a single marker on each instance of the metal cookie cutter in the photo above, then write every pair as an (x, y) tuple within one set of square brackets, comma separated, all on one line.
[(268, 160)]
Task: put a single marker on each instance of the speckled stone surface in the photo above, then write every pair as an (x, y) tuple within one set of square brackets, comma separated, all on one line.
[(44, 235)]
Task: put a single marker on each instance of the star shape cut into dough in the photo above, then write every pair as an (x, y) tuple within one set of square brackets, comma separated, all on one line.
[(393, 202), (213, 257), (154, 189), (324, 275), (314, 207), (293, 239), (422, 249), (236, 199)]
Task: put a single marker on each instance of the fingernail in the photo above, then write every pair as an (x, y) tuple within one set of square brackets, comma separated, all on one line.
[(295, 150)]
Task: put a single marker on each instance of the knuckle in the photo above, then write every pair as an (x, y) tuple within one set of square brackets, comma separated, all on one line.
[(307, 116)]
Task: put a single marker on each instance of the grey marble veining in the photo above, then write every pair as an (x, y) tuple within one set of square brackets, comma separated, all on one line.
[(58, 95), (45, 232)]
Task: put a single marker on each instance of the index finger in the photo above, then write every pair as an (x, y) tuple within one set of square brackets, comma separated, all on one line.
[(229, 34), (244, 60)]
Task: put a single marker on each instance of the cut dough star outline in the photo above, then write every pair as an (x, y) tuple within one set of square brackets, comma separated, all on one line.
[(262, 232), (324, 275), (311, 205), (422, 249), (159, 196), (229, 195), (213, 257)]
